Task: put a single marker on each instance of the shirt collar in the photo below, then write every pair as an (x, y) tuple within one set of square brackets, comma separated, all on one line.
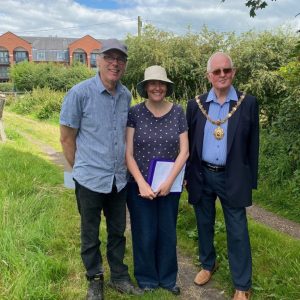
[(232, 95), (101, 87)]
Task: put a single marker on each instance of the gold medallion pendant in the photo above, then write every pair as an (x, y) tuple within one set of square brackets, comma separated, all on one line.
[(219, 133)]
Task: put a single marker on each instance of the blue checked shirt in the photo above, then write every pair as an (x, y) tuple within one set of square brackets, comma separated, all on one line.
[(215, 151), (100, 143)]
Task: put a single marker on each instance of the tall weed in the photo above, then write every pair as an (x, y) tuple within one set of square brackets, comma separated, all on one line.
[(41, 103)]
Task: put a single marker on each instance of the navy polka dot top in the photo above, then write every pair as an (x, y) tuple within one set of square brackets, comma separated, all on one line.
[(155, 137)]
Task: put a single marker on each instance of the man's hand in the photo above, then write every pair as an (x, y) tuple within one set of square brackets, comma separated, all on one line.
[(68, 143)]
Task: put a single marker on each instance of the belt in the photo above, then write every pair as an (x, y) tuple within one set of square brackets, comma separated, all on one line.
[(212, 167)]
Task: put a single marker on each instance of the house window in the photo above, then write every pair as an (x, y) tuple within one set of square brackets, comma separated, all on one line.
[(93, 60), (60, 56), (20, 56), (41, 55), (3, 72), (79, 56), (4, 57)]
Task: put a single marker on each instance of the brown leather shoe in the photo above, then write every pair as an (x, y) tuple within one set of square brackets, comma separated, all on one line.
[(204, 276), (242, 295)]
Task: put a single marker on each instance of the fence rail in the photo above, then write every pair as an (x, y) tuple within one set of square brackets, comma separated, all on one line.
[(12, 93)]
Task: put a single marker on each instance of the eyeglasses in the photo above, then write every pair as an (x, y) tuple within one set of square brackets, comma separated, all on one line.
[(218, 72), (121, 60)]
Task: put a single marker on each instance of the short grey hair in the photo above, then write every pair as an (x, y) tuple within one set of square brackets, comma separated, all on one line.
[(208, 68)]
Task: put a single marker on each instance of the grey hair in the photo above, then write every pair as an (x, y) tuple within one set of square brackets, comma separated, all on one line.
[(208, 68)]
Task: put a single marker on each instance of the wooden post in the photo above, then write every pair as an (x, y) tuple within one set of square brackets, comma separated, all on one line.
[(139, 25), (2, 133)]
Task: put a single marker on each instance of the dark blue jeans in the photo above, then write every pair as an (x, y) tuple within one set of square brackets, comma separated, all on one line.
[(90, 204), (238, 243), (153, 226)]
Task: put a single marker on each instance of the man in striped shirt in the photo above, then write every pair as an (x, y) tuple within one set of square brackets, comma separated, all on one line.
[(92, 124)]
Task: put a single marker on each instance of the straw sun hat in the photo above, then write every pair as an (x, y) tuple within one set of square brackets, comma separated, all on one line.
[(154, 73)]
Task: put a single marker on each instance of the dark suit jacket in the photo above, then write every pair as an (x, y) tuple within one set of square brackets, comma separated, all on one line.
[(242, 151)]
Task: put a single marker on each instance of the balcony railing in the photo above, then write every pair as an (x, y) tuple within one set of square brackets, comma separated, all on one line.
[(4, 60), (19, 59)]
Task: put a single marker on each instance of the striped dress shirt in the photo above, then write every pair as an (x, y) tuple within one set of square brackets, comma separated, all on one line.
[(100, 143)]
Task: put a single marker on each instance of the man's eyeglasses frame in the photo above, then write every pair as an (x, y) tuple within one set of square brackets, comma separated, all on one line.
[(121, 60), (218, 72)]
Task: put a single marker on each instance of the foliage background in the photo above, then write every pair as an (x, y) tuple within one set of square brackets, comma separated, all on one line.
[(26, 75)]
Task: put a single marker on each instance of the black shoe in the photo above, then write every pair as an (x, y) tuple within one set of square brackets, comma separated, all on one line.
[(175, 290), (125, 287), (95, 289)]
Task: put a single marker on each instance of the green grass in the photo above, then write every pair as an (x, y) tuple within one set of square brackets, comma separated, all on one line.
[(279, 177), (40, 242), (276, 257), (40, 130), (39, 223), (38, 247)]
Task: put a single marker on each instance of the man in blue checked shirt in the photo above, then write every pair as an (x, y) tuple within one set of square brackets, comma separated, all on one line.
[(92, 125), (223, 141)]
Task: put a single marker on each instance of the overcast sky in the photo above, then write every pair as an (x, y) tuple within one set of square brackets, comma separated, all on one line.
[(104, 19)]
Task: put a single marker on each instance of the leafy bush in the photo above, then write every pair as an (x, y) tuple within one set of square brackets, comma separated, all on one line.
[(41, 103), (257, 57), (184, 58), (49, 108), (28, 75), (6, 86)]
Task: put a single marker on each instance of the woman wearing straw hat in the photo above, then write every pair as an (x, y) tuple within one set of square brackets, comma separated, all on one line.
[(156, 129)]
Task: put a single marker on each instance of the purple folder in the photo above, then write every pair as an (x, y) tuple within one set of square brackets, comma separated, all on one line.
[(156, 172)]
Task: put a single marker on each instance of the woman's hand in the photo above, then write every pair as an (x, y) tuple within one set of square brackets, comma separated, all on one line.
[(145, 190), (164, 189)]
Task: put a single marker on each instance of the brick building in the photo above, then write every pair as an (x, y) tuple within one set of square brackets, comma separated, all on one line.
[(14, 49)]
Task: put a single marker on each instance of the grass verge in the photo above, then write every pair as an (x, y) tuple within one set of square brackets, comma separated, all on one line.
[(279, 176), (276, 257), (39, 224), (39, 246)]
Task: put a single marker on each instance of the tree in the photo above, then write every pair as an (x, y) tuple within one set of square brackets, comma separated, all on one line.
[(184, 57), (254, 5), (258, 56)]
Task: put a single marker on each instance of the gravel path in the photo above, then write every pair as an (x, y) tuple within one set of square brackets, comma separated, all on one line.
[(274, 221), (189, 291)]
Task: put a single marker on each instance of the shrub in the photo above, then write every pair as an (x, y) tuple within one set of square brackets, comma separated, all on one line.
[(6, 86), (28, 75), (41, 103), (49, 108)]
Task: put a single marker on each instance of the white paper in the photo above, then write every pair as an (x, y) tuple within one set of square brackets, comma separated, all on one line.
[(162, 171), (68, 180)]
